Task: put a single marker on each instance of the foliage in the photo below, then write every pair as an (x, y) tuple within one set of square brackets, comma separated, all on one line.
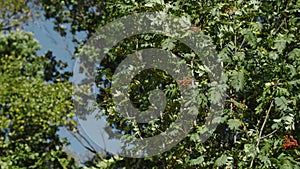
[(259, 45), (15, 13), (31, 110), (258, 42)]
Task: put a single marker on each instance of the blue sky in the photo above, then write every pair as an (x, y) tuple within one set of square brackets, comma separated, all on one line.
[(62, 48)]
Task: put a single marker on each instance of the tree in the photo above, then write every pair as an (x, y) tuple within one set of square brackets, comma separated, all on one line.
[(16, 13), (258, 42), (31, 110)]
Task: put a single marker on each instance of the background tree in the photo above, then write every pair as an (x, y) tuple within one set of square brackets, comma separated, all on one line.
[(23, 142), (15, 13), (31, 110)]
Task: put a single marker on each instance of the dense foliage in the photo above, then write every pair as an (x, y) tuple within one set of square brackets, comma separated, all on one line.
[(31, 110), (258, 42)]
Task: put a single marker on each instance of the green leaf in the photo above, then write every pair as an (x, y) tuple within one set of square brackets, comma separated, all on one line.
[(195, 137), (280, 45), (250, 37), (234, 124), (273, 55), (237, 80), (221, 160), (168, 44), (198, 160), (239, 56), (281, 103), (281, 41), (294, 54), (265, 160)]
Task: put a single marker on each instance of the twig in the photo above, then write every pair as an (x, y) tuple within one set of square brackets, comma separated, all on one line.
[(269, 134), (261, 130), (243, 41), (86, 71), (264, 123), (90, 148)]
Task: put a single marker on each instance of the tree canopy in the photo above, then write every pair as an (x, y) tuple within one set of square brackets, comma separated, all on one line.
[(31, 109), (257, 41)]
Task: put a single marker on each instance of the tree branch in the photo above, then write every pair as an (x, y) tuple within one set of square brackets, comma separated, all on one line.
[(269, 134), (90, 148), (262, 129)]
